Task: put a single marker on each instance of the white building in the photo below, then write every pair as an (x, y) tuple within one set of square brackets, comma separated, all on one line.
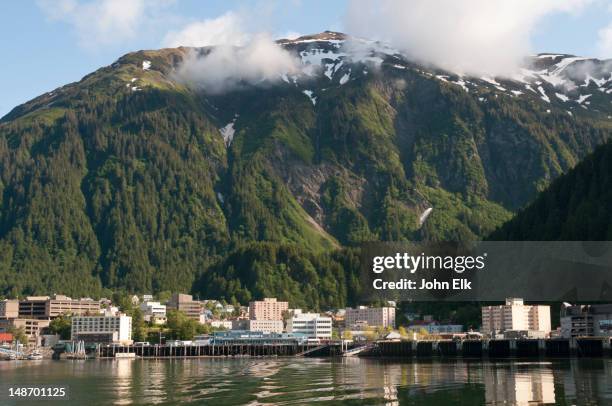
[(102, 329), (266, 326), (369, 316), (313, 325), (226, 324), (153, 311), (515, 315)]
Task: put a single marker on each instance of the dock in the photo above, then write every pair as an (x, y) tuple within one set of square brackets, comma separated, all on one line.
[(506, 348), (223, 350), (493, 349)]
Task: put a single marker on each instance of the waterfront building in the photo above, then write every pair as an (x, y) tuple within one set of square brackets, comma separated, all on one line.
[(185, 303), (45, 307), (31, 327), (6, 338), (369, 316), (270, 326), (255, 337), (9, 309), (312, 325), (267, 309), (586, 320), (102, 329), (515, 315)]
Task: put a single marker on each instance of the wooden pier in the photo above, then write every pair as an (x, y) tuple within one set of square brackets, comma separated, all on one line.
[(222, 350), (493, 349)]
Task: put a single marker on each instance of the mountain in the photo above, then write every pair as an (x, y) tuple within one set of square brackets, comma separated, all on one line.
[(577, 206), (134, 178)]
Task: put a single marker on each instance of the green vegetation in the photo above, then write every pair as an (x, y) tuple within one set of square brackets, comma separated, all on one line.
[(18, 334), (576, 207), (112, 189), (181, 327), (62, 326)]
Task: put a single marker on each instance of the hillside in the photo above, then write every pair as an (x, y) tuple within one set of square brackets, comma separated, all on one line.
[(133, 179), (576, 207)]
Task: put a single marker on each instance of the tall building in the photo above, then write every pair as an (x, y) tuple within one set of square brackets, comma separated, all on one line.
[(267, 309), (370, 316), (102, 329), (185, 304), (312, 325), (586, 321), (45, 307), (515, 316), (9, 309)]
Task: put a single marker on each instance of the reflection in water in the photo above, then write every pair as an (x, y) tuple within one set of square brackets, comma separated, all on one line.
[(288, 381), (122, 373), (518, 387)]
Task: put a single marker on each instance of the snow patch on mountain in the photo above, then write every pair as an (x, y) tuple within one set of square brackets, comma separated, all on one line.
[(424, 216), (312, 98), (228, 131)]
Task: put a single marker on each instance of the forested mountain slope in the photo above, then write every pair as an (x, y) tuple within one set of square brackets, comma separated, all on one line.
[(576, 207), (131, 178)]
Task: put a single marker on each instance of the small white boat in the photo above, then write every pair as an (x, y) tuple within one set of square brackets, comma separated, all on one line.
[(35, 355)]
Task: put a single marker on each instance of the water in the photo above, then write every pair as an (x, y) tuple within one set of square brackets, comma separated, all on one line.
[(290, 381)]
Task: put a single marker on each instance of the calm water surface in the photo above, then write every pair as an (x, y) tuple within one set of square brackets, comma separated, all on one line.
[(286, 381)]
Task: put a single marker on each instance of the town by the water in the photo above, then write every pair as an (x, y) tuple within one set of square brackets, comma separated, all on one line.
[(60, 327)]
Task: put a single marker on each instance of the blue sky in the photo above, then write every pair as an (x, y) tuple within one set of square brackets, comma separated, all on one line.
[(47, 43)]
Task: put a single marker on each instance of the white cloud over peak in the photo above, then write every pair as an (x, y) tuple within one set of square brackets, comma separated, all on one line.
[(225, 29), (468, 36), (604, 43), (238, 58), (228, 67)]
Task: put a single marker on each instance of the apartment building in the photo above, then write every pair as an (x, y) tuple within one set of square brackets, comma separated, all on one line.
[(369, 316), (102, 329), (267, 309), (515, 316), (45, 307), (269, 326), (185, 303), (312, 325), (9, 309)]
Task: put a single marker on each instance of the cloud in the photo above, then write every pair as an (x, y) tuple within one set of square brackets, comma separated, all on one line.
[(604, 43), (228, 67), (221, 30), (290, 35), (470, 36), (103, 22)]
